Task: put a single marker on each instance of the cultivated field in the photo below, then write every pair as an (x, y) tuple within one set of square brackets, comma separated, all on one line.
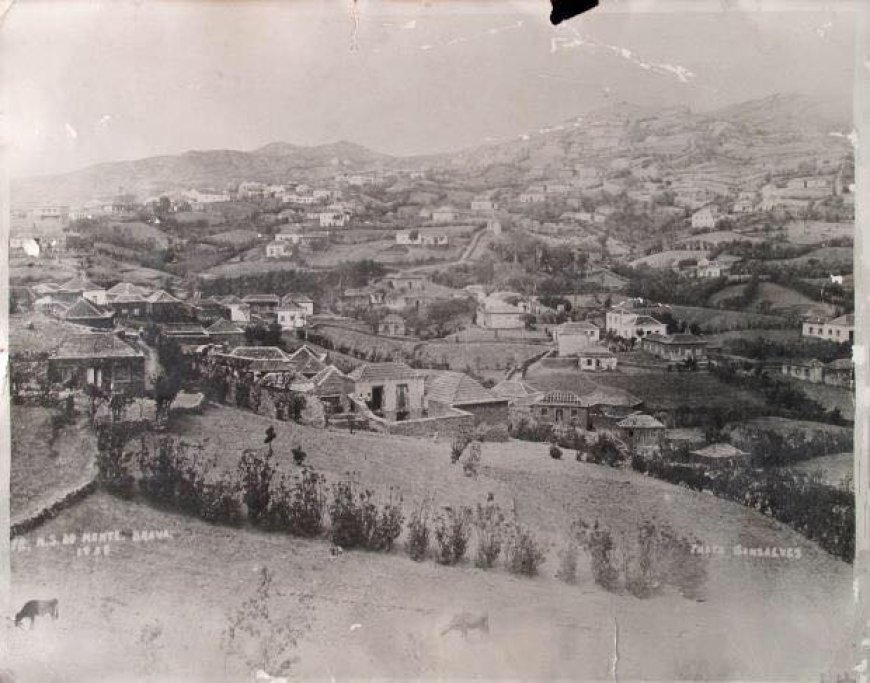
[(667, 259), (760, 617), (779, 299), (658, 390), (816, 232), (713, 320)]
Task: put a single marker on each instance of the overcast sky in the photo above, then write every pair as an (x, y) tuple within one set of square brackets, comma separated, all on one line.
[(91, 82)]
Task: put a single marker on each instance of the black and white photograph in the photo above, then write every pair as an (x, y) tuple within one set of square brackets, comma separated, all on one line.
[(432, 340)]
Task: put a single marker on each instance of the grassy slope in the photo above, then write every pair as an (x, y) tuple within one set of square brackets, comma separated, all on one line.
[(760, 619), (715, 320), (42, 469), (779, 297)]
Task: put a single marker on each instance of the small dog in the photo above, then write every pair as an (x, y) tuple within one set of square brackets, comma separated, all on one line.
[(335, 550), (468, 621)]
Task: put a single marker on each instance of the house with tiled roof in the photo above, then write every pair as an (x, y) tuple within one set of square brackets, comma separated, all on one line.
[(331, 386), (227, 333), (51, 305), (642, 433), (126, 289), (239, 311), (717, 455), (595, 357), (129, 305), (303, 301), (596, 408), (392, 325), (676, 348), (446, 389), (99, 358), (84, 312), (263, 305), (840, 330), (571, 337), (80, 287), (393, 391), (631, 320), (162, 306)]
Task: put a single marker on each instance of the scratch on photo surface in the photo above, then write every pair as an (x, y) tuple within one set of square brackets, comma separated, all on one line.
[(614, 662), (354, 16)]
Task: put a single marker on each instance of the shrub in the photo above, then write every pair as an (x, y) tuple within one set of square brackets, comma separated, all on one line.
[(114, 469), (472, 460), (219, 502), (523, 553), (555, 452), (160, 473), (599, 544), (604, 451), (567, 570), (491, 433), (358, 523), (256, 474), (489, 523), (451, 534), (298, 508), (457, 446), (418, 533), (298, 455)]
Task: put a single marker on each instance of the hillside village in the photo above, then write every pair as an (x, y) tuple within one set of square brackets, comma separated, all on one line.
[(670, 294)]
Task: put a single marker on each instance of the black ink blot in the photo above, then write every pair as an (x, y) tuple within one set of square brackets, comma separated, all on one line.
[(565, 9)]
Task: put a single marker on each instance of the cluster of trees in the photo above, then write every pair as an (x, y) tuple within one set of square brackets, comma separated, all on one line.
[(781, 397), (824, 514), (762, 348)]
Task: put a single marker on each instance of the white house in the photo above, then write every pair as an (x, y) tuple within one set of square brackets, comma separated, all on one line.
[(290, 316), (306, 303), (572, 337), (290, 235), (278, 249), (840, 329), (625, 323), (596, 357), (482, 205), (706, 217), (497, 314), (333, 219), (444, 214)]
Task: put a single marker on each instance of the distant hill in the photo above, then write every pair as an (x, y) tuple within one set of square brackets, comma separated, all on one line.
[(274, 163), (758, 133)]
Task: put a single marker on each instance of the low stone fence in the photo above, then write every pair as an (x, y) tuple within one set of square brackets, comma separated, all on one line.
[(444, 425), (32, 520), (559, 362)]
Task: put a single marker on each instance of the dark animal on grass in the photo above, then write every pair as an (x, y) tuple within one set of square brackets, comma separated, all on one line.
[(36, 608), (467, 621)]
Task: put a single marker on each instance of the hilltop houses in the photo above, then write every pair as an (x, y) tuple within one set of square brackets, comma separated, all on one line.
[(706, 217), (425, 238)]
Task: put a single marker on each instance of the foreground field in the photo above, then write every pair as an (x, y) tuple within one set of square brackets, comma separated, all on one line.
[(760, 618)]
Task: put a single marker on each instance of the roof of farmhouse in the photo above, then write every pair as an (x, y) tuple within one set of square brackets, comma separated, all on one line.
[(640, 421), (375, 372), (95, 345), (457, 388)]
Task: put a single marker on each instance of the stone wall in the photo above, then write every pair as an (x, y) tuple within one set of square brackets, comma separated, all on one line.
[(559, 362), (445, 425)]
